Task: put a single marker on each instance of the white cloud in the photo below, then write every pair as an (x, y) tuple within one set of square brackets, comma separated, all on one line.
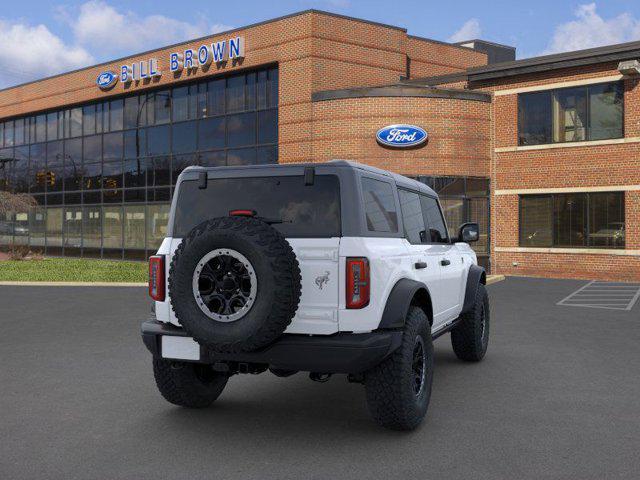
[(107, 31), (591, 30), (469, 31), (29, 52)]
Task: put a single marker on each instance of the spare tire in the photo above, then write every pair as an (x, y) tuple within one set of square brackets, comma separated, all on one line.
[(234, 284)]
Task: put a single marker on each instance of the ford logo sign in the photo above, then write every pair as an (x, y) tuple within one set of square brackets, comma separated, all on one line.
[(401, 136), (106, 80)]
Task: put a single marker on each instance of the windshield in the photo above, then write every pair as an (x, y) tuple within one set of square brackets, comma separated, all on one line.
[(303, 210)]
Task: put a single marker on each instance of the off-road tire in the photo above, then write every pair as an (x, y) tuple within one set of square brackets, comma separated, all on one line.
[(278, 282), (469, 339), (389, 386), (191, 385)]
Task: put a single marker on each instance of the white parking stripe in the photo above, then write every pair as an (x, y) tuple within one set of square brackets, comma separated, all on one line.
[(612, 296)]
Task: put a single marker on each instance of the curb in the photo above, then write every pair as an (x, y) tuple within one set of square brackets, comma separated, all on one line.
[(73, 284), (494, 279)]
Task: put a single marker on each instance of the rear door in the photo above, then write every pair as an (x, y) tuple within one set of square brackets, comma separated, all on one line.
[(424, 257)]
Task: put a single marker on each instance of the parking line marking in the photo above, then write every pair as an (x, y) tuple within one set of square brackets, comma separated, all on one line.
[(612, 296)]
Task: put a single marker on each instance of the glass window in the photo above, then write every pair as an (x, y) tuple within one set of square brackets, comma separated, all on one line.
[(89, 115), (135, 143), (267, 155), (54, 227), (570, 220), (73, 227), (130, 115), (180, 104), (570, 115), (8, 134), (606, 111), (73, 164), (116, 118), (158, 140), (37, 226), (134, 173), (261, 89), (112, 175), (305, 210), (112, 146), (92, 227), (412, 218), (21, 169), (183, 137), (159, 171), (156, 219), (268, 126), (453, 211), (75, 122), (134, 226), (573, 220), (19, 132), (41, 128), (215, 97), (241, 130), (273, 88), (102, 110), (250, 91), (6, 168), (162, 106), (592, 112), (606, 220), (112, 227), (211, 133), (92, 149), (201, 101), (37, 168), (1, 134), (54, 177), (235, 93), (534, 118), (241, 156), (212, 159), (379, 205), (433, 220)]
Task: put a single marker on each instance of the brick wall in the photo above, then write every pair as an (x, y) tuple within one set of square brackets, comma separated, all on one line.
[(459, 134), (429, 58), (564, 167)]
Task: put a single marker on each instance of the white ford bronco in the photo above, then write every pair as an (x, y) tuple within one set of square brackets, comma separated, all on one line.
[(332, 268)]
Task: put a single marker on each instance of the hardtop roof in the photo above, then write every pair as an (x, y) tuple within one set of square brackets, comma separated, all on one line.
[(400, 180)]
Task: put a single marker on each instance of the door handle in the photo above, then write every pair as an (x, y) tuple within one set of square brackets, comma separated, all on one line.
[(420, 265), (445, 261)]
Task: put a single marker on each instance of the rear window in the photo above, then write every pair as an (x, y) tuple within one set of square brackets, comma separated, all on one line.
[(305, 211)]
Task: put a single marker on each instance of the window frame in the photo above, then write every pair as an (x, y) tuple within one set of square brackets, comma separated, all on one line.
[(398, 232), (404, 227), (588, 196), (552, 92)]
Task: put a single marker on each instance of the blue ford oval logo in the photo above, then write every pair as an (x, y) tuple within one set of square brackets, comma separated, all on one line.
[(401, 136), (106, 80)]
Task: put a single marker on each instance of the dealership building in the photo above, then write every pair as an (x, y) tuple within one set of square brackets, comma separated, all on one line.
[(544, 153)]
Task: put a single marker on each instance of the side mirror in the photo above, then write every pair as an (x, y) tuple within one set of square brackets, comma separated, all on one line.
[(469, 232)]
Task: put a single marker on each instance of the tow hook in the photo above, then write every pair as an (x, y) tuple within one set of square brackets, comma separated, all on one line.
[(320, 377)]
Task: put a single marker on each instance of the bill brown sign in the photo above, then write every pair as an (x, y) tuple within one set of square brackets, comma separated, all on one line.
[(189, 59)]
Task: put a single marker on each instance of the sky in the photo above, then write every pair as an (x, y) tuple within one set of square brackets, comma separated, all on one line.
[(39, 38)]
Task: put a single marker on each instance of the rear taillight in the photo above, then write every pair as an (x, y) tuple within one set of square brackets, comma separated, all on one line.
[(156, 278), (358, 284)]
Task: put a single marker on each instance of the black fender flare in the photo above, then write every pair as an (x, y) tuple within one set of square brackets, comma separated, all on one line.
[(476, 276), (399, 301)]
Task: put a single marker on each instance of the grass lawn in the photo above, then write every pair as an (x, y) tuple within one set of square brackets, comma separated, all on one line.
[(73, 270)]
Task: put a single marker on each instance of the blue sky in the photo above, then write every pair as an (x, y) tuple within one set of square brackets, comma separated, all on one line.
[(43, 37)]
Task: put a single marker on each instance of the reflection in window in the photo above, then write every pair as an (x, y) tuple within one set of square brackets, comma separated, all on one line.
[(594, 220), (92, 227), (211, 133), (183, 137), (241, 129), (157, 219), (380, 207), (112, 227), (134, 226), (433, 220), (37, 226), (412, 218)]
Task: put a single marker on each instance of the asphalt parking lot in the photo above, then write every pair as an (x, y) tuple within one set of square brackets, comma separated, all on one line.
[(557, 397)]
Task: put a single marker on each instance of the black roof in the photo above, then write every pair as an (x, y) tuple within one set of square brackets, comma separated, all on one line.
[(590, 56)]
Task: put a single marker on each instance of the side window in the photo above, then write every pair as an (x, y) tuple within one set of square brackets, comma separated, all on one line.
[(379, 206), (412, 218), (434, 221)]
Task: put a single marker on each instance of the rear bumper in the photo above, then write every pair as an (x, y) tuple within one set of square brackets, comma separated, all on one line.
[(339, 353)]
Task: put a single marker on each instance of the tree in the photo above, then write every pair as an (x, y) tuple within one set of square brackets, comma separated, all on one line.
[(16, 202)]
